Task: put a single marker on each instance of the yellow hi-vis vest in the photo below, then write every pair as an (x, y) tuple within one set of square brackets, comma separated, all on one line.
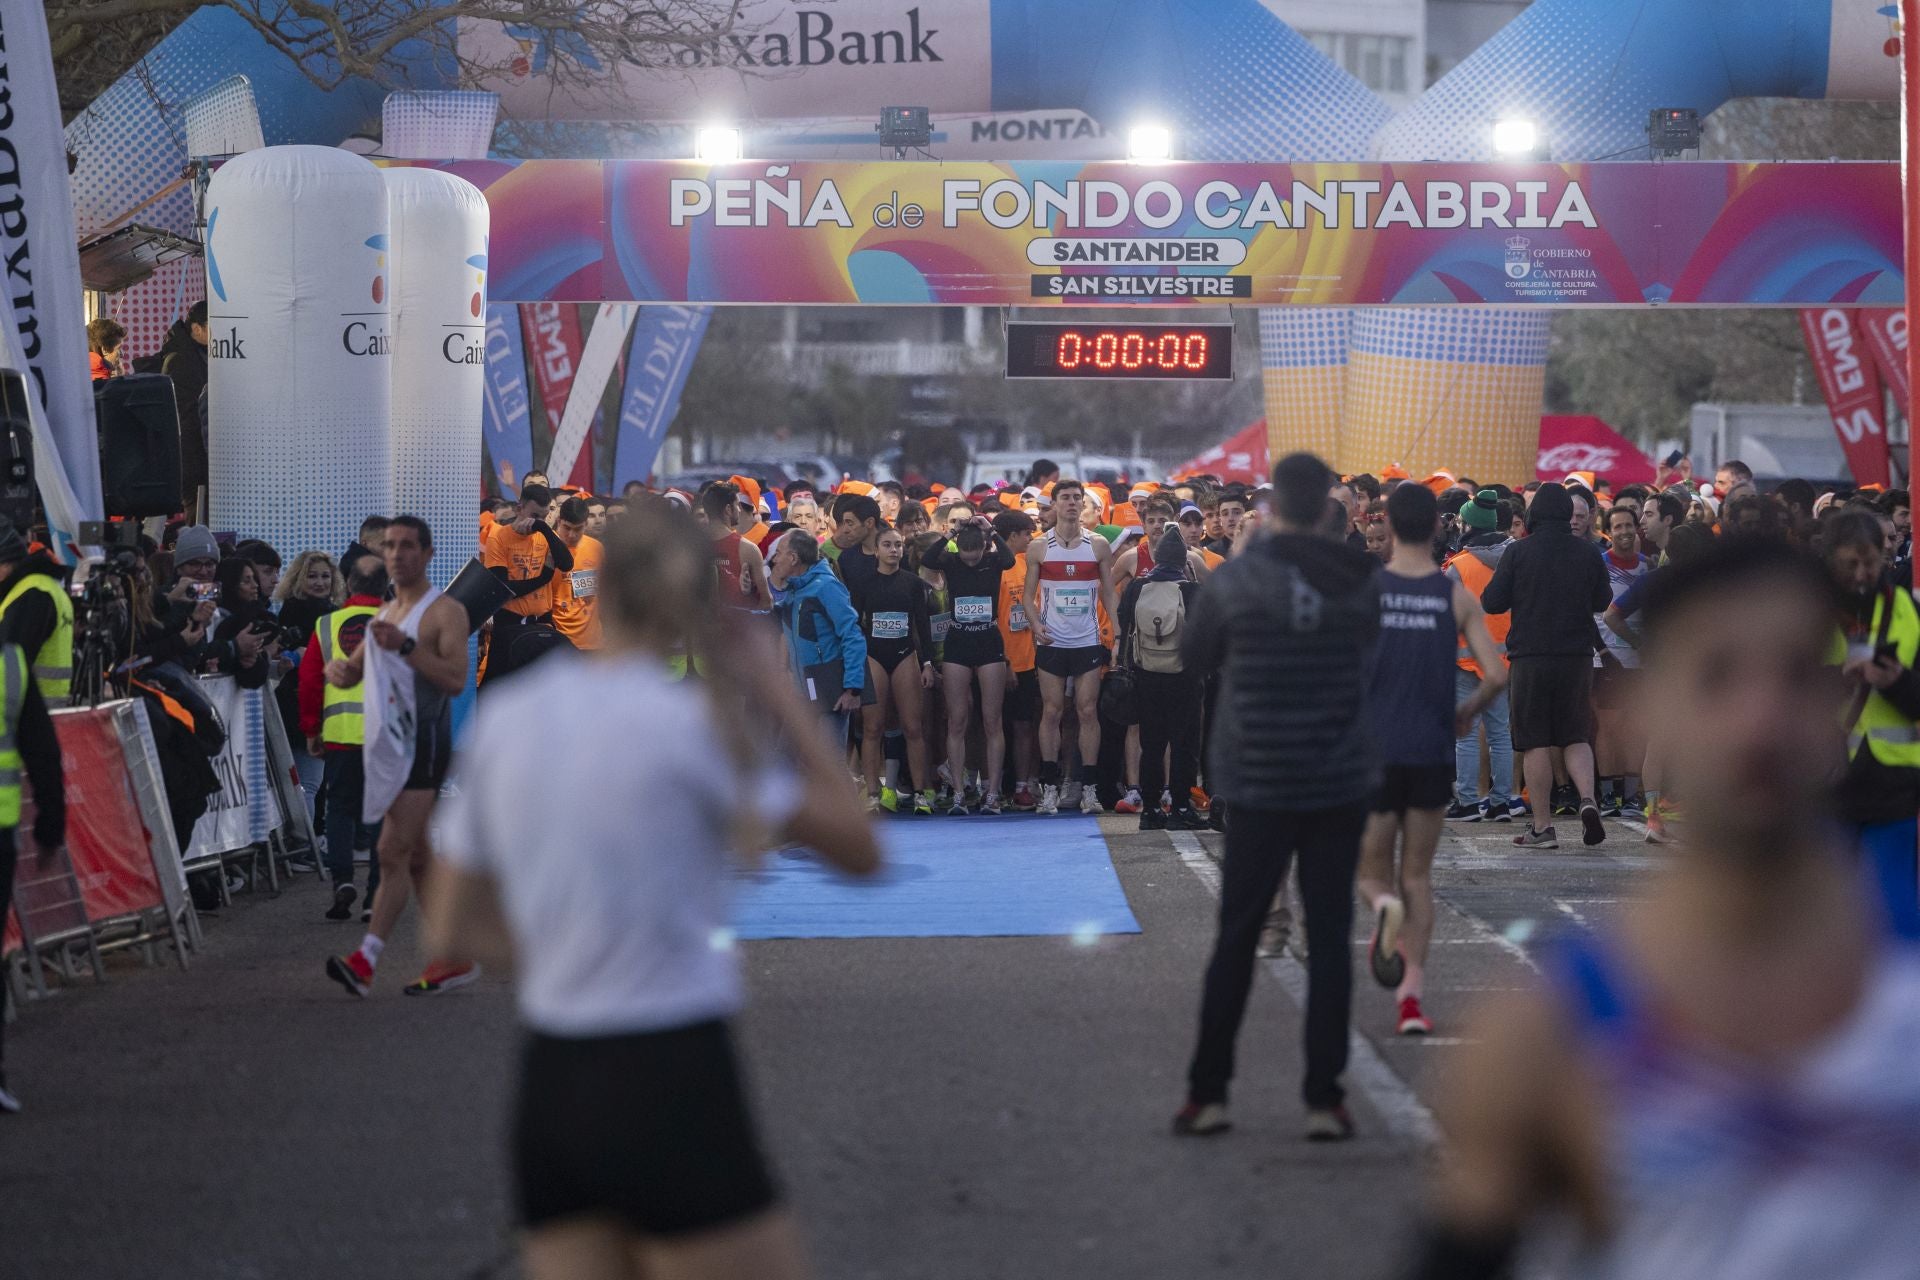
[(13, 695), (1892, 737), (53, 665), (343, 712)]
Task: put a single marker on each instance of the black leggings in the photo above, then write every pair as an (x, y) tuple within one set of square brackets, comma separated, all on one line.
[(1260, 845), (1169, 717)]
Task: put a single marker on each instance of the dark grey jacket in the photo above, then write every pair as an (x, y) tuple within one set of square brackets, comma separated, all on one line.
[(1290, 624)]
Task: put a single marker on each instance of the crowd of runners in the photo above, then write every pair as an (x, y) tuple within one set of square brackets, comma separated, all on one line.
[(1327, 668)]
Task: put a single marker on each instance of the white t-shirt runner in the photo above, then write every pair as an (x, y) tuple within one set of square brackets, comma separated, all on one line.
[(614, 883)]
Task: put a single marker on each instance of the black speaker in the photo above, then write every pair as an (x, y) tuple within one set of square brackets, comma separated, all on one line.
[(19, 500), (139, 444)]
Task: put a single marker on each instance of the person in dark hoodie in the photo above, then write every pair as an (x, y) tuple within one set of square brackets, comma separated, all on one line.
[(1290, 622), (36, 613), (183, 357), (1152, 618), (1552, 584)]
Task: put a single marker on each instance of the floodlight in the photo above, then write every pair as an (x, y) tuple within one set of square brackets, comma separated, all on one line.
[(717, 144), (1516, 139), (1149, 142)]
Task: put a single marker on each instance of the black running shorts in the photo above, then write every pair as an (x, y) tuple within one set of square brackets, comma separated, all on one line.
[(1068, 663), (432, 753), (652, 1129), (1550, 700), (1414, 786), (973, 648)]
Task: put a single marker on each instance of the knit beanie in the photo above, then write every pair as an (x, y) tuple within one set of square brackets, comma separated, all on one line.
[(1482, 515), (1171, 551)]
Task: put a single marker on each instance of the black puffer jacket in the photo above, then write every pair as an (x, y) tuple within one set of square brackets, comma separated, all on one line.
[(1552, 583), (1290, 622)]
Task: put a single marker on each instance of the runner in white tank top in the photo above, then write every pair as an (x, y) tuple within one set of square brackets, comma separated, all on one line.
[(413, 662), (1067, 583)]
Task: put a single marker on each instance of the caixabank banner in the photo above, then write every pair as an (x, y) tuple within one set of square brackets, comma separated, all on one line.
[(1106, 233)]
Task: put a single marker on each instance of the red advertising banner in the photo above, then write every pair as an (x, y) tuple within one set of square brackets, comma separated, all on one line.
[(1581, 442), (1242, 459), (554, 343), (1886, 334), (1853, 389), (106, 841)]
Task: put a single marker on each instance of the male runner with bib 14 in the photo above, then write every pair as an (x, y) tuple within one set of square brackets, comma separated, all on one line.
[(1067, 573)]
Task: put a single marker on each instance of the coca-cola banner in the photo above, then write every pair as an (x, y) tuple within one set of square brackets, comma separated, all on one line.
[(1855, 395), (1581, 442), (1886, 334)]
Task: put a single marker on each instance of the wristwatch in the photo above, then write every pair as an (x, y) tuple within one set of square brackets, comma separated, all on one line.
[(407, 646)]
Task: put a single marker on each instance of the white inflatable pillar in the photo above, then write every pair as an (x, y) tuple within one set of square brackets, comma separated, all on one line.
[(297, 315), (438, 368)]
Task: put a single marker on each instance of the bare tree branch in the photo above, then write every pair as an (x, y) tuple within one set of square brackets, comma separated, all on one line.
[(333, 41)]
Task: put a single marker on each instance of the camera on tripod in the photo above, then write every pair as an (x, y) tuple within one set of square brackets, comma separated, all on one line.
[(102, 590)]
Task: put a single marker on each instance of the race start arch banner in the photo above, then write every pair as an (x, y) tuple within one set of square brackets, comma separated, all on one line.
[(1191, 233)]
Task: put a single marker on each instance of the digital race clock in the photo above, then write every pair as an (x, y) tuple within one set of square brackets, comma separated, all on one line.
[(1179, 351)]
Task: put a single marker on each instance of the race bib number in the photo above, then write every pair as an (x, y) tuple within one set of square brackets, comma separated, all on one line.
[(942, 623), (1017, 617), (586, 583), (889, 626), (973, 611), (1073, 602)]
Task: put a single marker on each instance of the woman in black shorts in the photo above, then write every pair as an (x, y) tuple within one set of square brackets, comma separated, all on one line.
[(634, 1151), (896, 616), (973, 561)]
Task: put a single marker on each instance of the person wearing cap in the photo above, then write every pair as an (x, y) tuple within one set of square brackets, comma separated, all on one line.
[(1553, 584), (525, 555), (36, 613), (1472, 567), (1193, 529)]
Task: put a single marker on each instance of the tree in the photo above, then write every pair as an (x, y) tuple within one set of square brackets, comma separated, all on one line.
[(334, 41)]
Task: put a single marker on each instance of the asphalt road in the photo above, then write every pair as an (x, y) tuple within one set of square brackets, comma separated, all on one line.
[(937, 1108)]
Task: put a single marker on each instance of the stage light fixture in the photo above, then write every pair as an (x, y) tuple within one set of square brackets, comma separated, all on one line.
[(1148, 143), (1516, 139), (716, 144)]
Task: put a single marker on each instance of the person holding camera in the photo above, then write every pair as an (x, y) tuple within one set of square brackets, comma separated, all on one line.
[(246, 638), (36, 613), (27, 742)]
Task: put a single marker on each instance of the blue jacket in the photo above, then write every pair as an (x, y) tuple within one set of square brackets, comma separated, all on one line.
[(823, 629)]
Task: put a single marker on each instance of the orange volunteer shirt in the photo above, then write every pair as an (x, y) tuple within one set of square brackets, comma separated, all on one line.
[(522, 558), (576, 595), (1015, 633)]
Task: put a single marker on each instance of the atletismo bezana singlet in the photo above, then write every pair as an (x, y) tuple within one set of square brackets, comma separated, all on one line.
[(1411, 691)]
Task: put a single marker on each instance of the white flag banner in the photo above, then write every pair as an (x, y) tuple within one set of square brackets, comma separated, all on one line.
[(45, 333), (598, 360)]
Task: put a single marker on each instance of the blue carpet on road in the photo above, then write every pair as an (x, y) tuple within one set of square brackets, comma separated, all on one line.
[(946, 878)]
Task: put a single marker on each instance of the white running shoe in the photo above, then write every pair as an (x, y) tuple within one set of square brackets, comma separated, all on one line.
[(1049, 799), (1070, 793), (1090, 801)]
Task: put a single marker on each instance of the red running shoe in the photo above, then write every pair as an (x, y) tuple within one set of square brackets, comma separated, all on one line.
[(1128, 803), (442, 977), (1023, 801), (353, 973), (1412, 1021)]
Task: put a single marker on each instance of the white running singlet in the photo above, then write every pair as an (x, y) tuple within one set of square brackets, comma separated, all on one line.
[(1069, 590)]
